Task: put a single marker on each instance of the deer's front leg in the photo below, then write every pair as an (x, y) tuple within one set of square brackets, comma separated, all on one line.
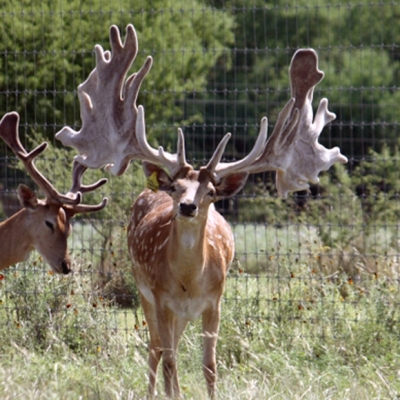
[(155, 348), (166, 322), (211, 319)]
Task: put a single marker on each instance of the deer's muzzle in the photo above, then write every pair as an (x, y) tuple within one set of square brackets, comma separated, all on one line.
[(188, 210), (66, 269)]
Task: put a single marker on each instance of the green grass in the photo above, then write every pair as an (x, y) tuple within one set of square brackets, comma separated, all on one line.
[(293, 327), (302, 336), (258, 246)]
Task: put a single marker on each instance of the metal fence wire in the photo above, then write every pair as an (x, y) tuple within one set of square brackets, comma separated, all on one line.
[(219, 66)]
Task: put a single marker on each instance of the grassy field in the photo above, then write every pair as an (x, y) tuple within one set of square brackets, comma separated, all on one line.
[(293, 327)]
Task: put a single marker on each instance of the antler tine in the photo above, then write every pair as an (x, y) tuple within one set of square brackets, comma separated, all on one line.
[(282, 137), (172, 162), (9, 125), (219, 151), (77, 173), (78, 188), (9, 133), (86, 208), (108, 107), (293, 149), (222, 169), (181, 153)]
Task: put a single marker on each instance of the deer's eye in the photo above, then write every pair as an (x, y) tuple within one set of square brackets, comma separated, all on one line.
[(50, 225), (211, 193)]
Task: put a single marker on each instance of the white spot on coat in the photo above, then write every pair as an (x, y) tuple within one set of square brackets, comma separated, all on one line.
[(162, 244)]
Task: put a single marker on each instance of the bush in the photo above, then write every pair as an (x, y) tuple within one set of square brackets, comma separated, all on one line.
[(41, 311)]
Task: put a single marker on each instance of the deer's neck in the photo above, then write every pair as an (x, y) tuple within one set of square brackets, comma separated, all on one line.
[(15, 244), (187, 250)]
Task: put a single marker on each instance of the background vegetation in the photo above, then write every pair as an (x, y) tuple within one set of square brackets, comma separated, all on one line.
[(218, 64), (310, 309), (306, 335)]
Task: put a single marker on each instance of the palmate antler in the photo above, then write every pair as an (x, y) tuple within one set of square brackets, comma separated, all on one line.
[(9, 125), (113, 133), (108, 107), (293, 149)]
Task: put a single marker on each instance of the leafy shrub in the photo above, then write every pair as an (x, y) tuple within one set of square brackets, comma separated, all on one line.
[(42, 310)]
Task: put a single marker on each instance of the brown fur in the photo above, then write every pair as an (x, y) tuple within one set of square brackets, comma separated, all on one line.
[(27, 230), (180, 265)]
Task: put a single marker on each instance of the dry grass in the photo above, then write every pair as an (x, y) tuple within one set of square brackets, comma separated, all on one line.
[(297, 335)]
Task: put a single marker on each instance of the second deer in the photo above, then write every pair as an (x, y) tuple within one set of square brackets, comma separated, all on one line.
[(181, 248), (43, 225)]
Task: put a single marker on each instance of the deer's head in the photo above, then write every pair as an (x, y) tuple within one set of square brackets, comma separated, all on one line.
[(194, 191), (46, 222), (51, 229)]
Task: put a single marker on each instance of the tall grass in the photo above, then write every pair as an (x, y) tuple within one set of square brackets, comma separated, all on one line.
[(291, 332)]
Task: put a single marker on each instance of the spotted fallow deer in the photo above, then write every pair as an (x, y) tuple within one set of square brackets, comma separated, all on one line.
[(181, 247), (43, 225)]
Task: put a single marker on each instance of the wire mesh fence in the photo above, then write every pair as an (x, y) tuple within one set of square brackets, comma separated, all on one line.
[(219, 66)]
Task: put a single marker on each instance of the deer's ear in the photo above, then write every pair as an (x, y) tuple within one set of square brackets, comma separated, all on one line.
[(157, 178), (231, 184), (27, 197)]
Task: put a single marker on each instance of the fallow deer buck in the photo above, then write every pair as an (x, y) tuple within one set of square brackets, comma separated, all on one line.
[(181, 247), (43, 225)]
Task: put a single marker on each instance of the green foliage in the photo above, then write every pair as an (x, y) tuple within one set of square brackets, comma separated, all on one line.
[(336, 209), (365, 97), (377, 182), (47, 51), (279, 333), (355, 44), (260, 203), (379, 173), (44, 310), (356, 211), (186, 43)]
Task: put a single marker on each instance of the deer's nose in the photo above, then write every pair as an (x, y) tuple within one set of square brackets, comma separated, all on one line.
[(65, 267), (187, 209)]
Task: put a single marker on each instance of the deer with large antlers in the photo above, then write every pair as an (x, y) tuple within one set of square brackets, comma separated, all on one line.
[(181, 247), (43, 225)]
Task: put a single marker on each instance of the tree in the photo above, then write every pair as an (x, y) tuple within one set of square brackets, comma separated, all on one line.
[(356, 44), (47, 51), (47, 47)]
